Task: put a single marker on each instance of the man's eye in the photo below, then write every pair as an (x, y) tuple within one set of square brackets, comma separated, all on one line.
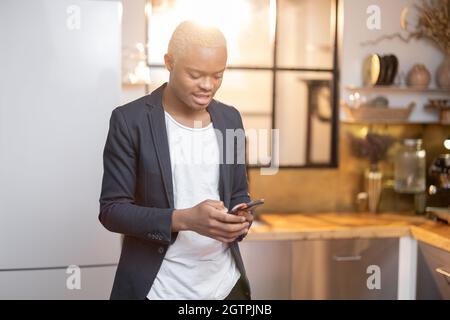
[(219, 76), (194, 76)]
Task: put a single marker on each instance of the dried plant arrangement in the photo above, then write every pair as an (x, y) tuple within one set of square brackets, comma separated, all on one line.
[(433, 23), (373, 147)]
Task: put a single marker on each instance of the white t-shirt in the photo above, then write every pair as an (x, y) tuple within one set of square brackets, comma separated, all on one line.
[(195, 266)]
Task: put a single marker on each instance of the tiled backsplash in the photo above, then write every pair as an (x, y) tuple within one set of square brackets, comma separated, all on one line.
[(320, 190)]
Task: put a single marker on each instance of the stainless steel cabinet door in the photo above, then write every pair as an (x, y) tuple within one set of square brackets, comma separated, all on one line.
[(345, 269), (268, 267), (433, 273)]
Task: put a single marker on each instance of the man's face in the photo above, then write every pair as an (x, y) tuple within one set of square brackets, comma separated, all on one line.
[(196, 75)]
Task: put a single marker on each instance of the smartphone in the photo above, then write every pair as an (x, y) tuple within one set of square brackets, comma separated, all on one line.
[(246, 206)]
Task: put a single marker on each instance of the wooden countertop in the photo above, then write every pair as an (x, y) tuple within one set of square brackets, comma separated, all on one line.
[(309, 226)]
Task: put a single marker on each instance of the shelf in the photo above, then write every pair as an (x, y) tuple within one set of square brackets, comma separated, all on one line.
[(395, 89), (366, 122)]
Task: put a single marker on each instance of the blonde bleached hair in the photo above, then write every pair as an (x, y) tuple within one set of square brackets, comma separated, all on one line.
[(191, 33)]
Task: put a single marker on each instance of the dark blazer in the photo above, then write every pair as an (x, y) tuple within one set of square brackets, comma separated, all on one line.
[(137, 194)]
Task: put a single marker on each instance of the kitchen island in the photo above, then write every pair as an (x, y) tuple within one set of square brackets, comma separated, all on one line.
[(347, 256), (309, 226)]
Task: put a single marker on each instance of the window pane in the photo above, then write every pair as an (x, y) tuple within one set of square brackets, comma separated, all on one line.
[(249, 91), (305, 33), (296, 93), (320, 114), (245, 24), (259, 140)]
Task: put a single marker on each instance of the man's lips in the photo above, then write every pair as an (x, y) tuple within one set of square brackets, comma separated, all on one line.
[(201, 98)]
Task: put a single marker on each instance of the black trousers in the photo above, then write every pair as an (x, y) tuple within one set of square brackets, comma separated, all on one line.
[(238, 291)]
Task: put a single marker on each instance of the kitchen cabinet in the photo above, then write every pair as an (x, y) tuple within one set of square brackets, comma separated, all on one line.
[(268, 266), (322, 269), (433, 273), (345, 269)]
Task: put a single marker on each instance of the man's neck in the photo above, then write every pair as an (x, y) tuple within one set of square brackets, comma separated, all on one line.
[(181, 112)]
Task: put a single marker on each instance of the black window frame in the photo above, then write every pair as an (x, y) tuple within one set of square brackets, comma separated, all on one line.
[(334, 71)]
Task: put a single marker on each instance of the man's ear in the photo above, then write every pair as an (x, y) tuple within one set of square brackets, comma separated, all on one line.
[(168, 61)]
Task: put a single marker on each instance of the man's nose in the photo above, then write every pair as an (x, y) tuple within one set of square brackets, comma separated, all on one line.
[(206, 84)]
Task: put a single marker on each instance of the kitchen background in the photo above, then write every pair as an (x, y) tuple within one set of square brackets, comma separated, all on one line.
[(329, 182), (347, 216)]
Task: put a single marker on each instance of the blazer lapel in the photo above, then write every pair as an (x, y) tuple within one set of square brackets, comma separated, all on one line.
[(219, 124), (161, 141)]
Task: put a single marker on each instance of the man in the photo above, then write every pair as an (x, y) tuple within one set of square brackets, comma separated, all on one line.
[(179, 242)]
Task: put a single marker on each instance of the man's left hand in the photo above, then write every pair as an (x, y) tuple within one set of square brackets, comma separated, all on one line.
[(248, 217), (247, 214)]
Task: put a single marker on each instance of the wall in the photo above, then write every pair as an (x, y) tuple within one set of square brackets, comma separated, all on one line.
[(355, 31)]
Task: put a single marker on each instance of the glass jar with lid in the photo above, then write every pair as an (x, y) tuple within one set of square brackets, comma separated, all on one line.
[(410, 167)]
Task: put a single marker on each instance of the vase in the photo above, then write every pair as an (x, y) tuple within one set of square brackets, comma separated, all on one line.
[(418, 77), (373, 181), (443, 74)]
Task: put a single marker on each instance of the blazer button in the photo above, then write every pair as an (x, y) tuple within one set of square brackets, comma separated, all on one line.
[(161, 250)]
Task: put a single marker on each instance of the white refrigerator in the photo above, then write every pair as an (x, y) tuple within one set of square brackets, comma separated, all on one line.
[(59, 82)]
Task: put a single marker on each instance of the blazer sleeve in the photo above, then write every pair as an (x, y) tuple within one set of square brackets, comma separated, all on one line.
[(240, 192), (118, 211)]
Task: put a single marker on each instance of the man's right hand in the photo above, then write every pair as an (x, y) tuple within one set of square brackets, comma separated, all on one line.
[(210, 218)]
